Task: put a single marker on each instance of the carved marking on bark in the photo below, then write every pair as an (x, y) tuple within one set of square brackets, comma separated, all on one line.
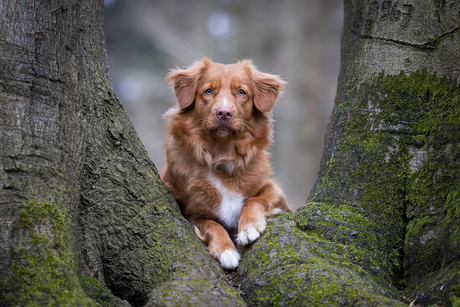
[(388, 10), (419, 25)]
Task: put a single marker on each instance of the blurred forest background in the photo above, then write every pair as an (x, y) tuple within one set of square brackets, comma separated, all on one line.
[(296, 39)]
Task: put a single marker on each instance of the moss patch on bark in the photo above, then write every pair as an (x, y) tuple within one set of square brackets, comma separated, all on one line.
[(44, 271), (391, 159), (288, 266)]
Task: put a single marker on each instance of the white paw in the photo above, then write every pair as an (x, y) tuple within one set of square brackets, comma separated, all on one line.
[(229, 259), (250, 233)]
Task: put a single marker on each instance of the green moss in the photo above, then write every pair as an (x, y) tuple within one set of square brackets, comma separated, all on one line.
[(97, 291), (419, 140), (393, 153), (276, 300), (43, 272), (415, 228), (304, 268), (195, 292), (455, 298)]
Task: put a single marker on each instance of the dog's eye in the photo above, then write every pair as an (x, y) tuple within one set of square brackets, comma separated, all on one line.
[(241, 93), (209, 91)]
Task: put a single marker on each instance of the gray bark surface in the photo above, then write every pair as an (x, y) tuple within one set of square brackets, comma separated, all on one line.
[(85, 218), (391, 144)]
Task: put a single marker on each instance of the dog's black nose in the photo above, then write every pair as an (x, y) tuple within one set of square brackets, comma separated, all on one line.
[(224, 114)]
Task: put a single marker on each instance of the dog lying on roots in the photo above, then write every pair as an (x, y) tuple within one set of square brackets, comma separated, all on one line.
[(218, 166)]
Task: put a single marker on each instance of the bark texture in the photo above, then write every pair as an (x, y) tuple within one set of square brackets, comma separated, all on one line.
[(383, 214), (85, 218), (391, 153)]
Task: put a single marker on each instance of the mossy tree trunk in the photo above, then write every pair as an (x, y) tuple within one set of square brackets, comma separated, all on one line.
[(85, 219), (390, 174), (382, 221)]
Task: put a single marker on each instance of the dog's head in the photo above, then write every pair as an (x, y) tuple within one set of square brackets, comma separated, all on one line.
[(224, 98)]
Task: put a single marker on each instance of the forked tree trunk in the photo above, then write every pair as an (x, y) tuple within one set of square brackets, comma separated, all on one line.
[(85, 219)]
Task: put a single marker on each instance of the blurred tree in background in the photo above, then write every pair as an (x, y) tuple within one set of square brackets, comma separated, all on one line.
[(299, 40)]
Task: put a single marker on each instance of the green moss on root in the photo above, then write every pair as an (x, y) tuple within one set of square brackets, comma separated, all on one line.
[(393, 152), (287, 266), (43, 272)]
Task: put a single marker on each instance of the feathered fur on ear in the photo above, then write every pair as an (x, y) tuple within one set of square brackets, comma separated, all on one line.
[(185, 81), (266, 88)]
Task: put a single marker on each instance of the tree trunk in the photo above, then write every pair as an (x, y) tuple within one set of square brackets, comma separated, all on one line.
[(85, 219), (384, 213), (390, 170)]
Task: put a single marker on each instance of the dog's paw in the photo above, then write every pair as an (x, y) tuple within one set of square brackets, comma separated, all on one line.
[(229, 259), (250, 232)]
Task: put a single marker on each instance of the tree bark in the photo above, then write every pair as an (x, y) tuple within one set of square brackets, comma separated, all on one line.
[(391, 153), (381, 222), (85, 219)]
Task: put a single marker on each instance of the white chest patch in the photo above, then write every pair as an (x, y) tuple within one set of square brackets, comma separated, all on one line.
[(230, 207)]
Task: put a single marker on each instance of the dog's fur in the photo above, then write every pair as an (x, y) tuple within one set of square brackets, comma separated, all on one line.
[(218, 166)]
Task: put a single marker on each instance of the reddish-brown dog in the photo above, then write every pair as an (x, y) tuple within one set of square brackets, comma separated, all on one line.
[(218, 166)]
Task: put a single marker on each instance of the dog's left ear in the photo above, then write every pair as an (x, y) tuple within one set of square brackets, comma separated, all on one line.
[(185, 81), (266, 88)]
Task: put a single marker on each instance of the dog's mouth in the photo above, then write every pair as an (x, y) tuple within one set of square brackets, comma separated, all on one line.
[(223, 130)]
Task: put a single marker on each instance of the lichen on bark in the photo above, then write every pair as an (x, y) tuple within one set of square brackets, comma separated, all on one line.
[(66, 140), (392, 158), (44, 269), (290, 266)]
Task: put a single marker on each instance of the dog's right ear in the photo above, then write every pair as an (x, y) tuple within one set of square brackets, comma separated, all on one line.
[(185, 81)]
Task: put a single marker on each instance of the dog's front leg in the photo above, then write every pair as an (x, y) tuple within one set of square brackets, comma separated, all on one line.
[(270, 200), (252, 222), (220, 245)]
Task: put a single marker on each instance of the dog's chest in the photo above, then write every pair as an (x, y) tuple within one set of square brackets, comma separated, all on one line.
[(230, 207)]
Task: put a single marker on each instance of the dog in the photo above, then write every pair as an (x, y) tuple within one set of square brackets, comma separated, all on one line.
[(218, 166)]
